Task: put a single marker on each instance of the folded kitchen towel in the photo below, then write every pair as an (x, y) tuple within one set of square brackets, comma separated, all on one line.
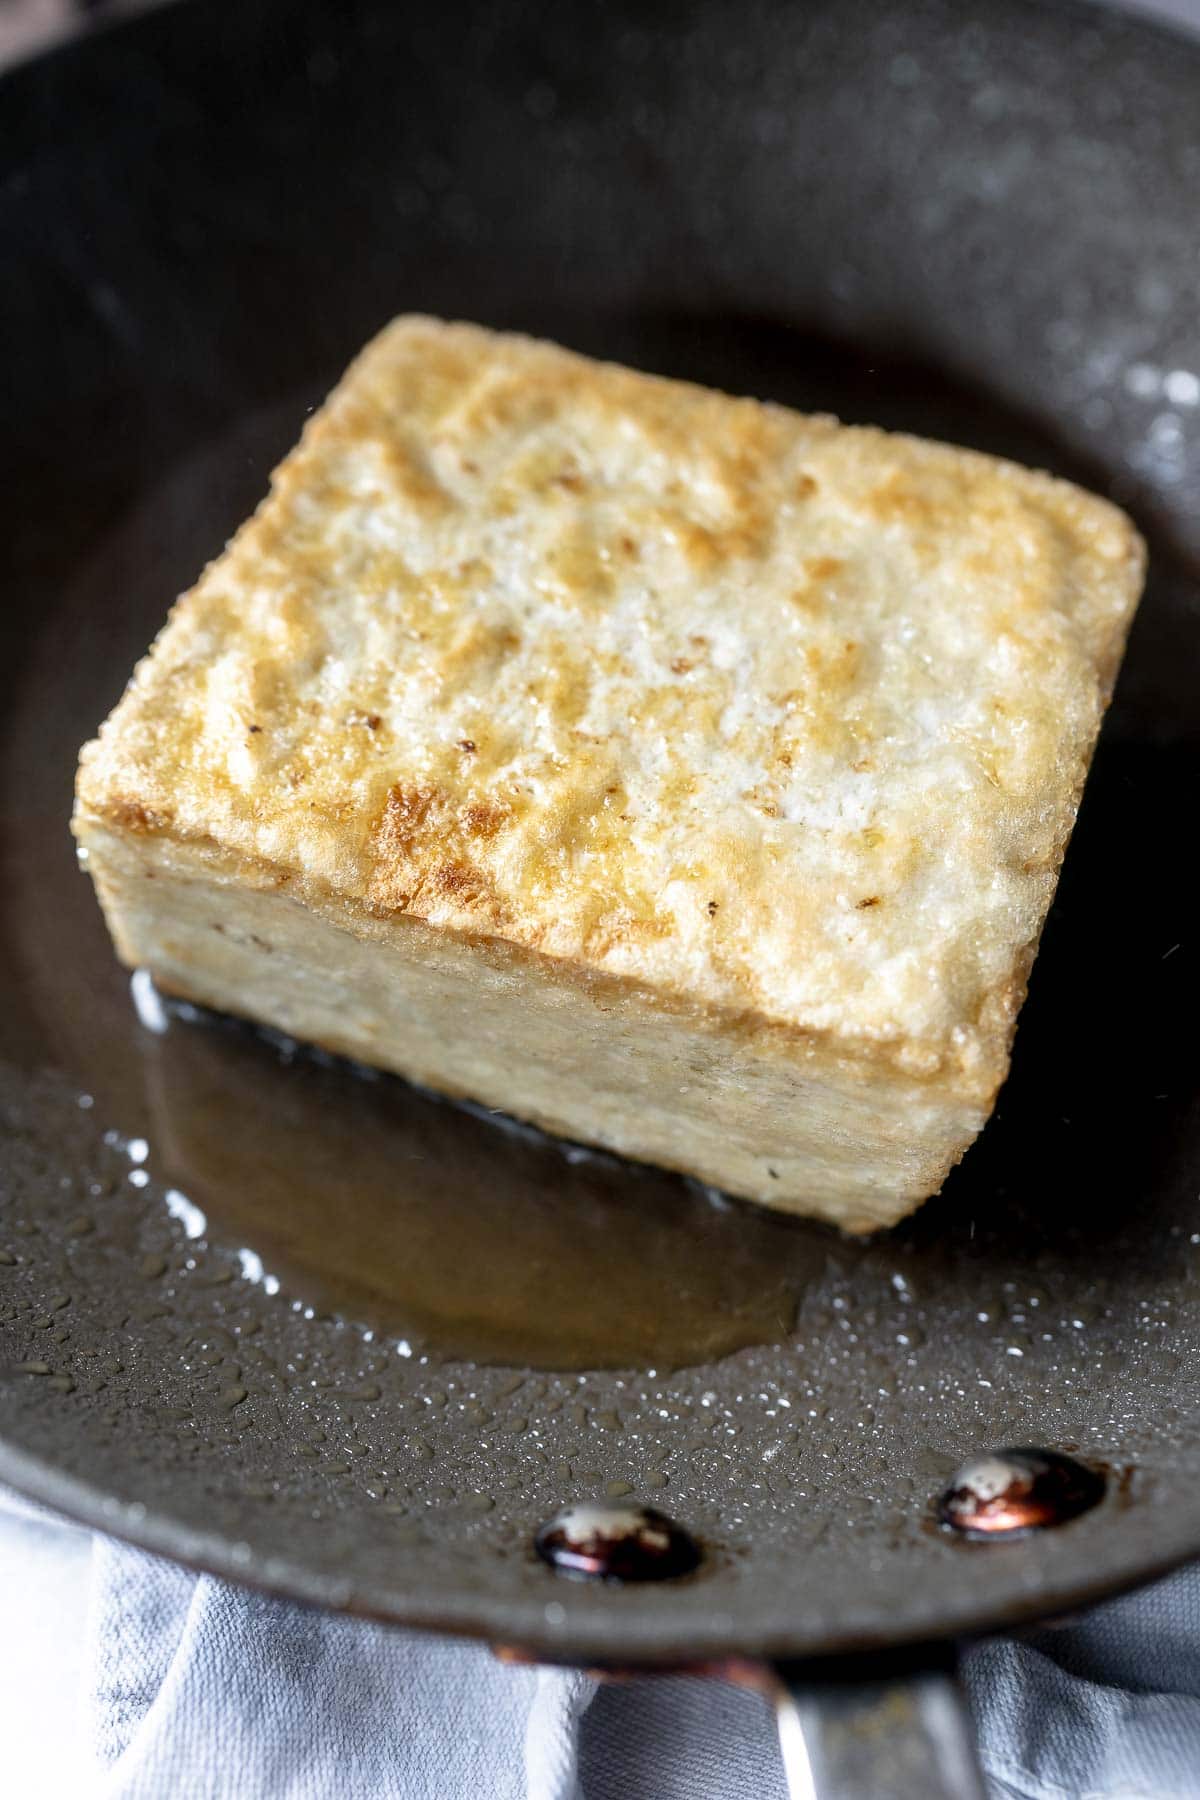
[(197, 1689)]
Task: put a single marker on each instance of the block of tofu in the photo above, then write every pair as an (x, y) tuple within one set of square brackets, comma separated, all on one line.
[(681, 773)]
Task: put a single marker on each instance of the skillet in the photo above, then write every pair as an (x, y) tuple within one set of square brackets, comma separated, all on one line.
[(330, 1336)]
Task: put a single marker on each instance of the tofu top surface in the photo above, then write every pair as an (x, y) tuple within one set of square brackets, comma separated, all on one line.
[(772, 715)]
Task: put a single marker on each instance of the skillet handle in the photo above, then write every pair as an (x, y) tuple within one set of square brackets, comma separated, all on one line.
[(893, 1728)]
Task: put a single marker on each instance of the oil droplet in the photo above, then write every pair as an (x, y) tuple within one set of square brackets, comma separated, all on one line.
[(1012, 1492), (600, 1542)]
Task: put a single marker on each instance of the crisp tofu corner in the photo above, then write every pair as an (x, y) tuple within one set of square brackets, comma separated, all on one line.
[(682, 773)]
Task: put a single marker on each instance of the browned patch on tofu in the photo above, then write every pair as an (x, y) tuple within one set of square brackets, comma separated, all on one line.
[(132, 815), (922, 501), (818, 572), (406, 814), (823, 568), (833, 663), (707, 548), (624, 924), (421, 851), (467, 885), (455, 878), (578, 568), (412, 478), (477, 650), (484, 818)]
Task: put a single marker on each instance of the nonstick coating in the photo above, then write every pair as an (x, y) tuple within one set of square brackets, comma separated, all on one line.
[(974, 220)]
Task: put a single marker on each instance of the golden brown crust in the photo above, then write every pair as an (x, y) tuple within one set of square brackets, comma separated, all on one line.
[(772, 718)]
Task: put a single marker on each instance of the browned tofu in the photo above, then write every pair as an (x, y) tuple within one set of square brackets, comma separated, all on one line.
[(681, 773)]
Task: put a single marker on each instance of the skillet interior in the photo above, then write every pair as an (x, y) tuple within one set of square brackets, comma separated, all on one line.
[(972, 221)]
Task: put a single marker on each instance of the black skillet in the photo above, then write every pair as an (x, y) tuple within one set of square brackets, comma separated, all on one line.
[(343, 1341)]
